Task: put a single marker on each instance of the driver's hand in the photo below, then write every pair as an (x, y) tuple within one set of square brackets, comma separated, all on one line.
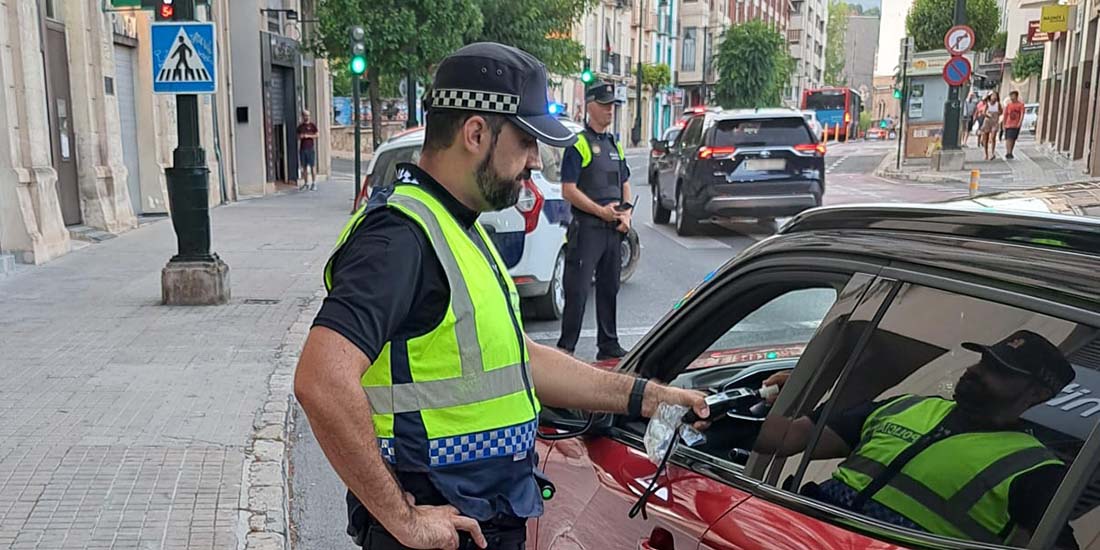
[(777, 379)]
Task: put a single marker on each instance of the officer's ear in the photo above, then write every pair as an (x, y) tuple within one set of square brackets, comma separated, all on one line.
[(476, 134)]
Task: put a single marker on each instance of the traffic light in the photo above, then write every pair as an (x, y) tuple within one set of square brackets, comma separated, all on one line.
[(358, 62), (897, 93), (165, 10), (586, 75)]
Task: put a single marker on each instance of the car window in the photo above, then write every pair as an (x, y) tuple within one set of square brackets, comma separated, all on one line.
[(386, 167), (671, 134), (693, 132), (551, 162), (760, 332), (760, 132), (928, 430)]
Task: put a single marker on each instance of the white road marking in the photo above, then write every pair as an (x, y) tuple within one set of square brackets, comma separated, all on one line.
[(687, 242)]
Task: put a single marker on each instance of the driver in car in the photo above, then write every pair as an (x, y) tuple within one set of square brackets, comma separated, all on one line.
[(963, 468)]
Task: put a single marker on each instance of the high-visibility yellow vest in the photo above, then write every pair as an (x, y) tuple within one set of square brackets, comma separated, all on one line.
[(958, 486), (582, 147), (464, 387)]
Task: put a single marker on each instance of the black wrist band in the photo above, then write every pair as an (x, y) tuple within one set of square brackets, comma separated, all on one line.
[(634, 407)]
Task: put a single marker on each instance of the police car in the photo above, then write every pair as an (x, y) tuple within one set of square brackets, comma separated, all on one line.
[(530, 237)]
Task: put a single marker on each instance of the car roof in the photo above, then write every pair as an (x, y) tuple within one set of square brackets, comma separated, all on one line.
[(1047, 238), (743, 114)]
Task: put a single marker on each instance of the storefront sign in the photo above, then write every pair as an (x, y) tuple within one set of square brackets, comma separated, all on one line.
[(1054, 19)]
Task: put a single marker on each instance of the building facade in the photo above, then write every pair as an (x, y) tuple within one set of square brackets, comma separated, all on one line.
[(1068, 95), (702, 23), (86, 140), (860, 45), (891, 33), (806, 36)]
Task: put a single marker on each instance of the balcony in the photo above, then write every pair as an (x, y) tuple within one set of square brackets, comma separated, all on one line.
[(794, 36), (611, 63)]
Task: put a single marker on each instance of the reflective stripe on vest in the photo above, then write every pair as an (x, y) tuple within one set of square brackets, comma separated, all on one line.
[(582, 147), (956, 487), (469, 371)]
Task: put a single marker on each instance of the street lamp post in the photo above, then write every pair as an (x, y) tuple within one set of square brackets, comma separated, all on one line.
[(636, 134), (951, 110)]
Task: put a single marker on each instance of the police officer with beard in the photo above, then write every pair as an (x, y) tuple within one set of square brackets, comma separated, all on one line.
[(595, 181)]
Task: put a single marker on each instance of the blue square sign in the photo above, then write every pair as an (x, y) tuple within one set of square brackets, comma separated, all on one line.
[(184, 58)]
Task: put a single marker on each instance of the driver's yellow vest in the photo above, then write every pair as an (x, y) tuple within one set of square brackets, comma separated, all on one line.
[(463, 391), (958, 486)]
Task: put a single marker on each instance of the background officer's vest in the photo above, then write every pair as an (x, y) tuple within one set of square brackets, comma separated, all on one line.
[(466, 384), (958, 486), (600, 173)]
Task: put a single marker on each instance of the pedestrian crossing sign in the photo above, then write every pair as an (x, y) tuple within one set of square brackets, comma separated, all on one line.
[(184, 58)]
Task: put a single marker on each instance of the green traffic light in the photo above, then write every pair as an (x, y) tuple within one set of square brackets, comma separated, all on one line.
[(897, 94), (358, 64), (586, 76)]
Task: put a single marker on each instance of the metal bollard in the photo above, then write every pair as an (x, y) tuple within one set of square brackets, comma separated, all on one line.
[(825, 136), (975, 175)]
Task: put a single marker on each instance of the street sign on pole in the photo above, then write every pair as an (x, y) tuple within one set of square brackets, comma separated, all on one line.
[(957, 71), (184, 58), (959, 39)]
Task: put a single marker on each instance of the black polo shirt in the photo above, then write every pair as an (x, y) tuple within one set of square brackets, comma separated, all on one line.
[(387, 281)]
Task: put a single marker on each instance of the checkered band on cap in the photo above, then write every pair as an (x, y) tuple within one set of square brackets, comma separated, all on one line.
[(472, 100)]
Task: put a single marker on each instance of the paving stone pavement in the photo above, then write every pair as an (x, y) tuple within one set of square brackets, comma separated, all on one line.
[(127, 424)]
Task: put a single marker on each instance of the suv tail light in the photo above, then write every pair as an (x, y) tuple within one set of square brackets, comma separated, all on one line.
[(706, 152), (530, 205), (816, 148)]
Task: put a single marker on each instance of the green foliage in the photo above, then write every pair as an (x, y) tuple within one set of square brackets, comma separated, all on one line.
[(400, 34), (836, 29), (341, 80), (999, 42), (929, 20), (1027, 65), (542, 28), (656, 76), (864, 121), (873, 12), (754, 65)]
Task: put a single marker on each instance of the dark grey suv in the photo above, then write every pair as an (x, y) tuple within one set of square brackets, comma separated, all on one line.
[(759, 164)]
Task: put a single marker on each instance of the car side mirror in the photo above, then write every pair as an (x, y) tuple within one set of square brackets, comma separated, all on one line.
[(659, 145)]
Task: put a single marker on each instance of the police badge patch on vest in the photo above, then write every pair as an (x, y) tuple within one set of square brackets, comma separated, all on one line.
[(596, 149)]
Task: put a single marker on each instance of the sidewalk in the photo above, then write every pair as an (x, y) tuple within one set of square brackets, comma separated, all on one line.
[(127, 424), (1032, 167)]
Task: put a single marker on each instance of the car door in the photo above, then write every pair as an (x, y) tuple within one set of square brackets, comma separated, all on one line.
[(910, 342), (722, 332), (679, 154)]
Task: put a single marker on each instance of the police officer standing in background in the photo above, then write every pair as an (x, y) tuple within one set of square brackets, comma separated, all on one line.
[(416, 377), (595, 181)]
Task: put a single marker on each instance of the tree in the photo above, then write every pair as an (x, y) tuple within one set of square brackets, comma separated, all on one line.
[(656, 76), (401, 36), (542, 28), (873, 12), (754, 65), (1027, 65), (836, 30), (929, 20)]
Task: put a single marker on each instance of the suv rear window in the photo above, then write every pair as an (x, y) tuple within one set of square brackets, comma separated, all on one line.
[(760, 132)]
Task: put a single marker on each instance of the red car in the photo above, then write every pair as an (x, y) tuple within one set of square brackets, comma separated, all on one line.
[(859, 304)]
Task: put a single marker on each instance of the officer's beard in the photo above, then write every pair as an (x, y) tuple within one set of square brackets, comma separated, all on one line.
[(499, 192)]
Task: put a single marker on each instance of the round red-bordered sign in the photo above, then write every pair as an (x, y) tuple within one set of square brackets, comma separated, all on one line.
[(956, 71), (959, 39)]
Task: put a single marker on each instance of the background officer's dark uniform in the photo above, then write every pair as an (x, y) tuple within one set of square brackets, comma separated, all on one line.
[(594, 245)]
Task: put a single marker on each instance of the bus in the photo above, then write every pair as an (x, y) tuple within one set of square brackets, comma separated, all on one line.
[(835, 106)]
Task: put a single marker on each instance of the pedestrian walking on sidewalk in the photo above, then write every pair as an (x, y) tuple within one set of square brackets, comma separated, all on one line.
[(416, 377), (979, 120), (1014, 119), (307, 152), (969, 112), (596, 183), (992, 124)]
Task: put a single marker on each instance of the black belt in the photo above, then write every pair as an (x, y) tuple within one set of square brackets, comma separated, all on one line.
[(500, 534)]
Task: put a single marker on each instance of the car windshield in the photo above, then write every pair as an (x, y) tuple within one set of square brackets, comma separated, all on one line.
[(758, 132), (551, 162)]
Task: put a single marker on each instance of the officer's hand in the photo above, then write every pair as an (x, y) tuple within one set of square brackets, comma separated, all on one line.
[(624, 222), (608, 212), (777, 379), (438, 527), (695, 400)]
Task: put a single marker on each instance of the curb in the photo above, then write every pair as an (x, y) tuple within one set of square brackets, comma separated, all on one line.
[(886, 170), (264, 505)]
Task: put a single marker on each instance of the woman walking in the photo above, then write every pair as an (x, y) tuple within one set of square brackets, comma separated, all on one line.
[(992, 124)]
